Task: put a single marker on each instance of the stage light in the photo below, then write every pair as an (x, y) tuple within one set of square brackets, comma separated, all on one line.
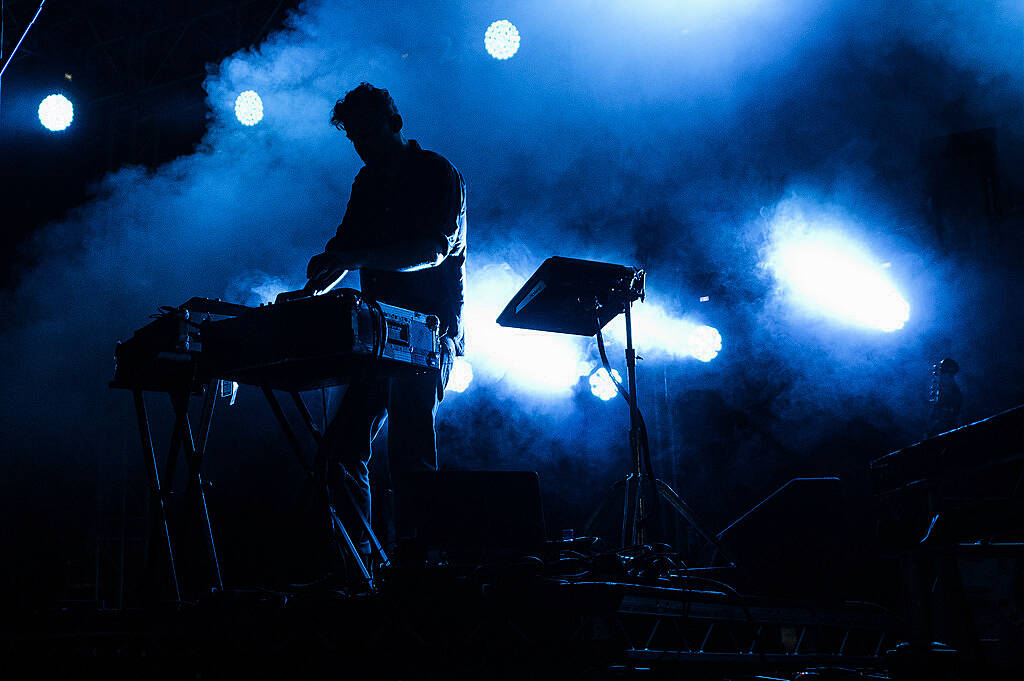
[(533, 362), (538, 361), (602, 385), (704, 343), (461, 375), (249, 108), (56, 113), (502, 39), (659, 333), (830, 273)]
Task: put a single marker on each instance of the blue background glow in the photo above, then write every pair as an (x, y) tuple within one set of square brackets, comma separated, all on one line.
[(698, 140)]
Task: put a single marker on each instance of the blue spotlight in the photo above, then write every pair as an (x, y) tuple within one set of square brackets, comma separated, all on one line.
[(602, 385), (502, 39), (249, 108), (829, 273), (56, 113), (704, 343), (461, 375)]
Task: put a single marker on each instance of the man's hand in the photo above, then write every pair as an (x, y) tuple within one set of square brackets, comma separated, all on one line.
[(324, 268)]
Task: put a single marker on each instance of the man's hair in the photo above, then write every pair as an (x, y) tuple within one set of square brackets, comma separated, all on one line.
[(365, 102)]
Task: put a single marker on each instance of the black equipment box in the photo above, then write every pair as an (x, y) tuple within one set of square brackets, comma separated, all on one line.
[(562, 294), (471, 515), (318, 341)]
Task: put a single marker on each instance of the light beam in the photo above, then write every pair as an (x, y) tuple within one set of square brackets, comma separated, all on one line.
[(461, 375), (829, 273)]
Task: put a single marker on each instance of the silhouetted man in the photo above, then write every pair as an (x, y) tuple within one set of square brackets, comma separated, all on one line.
[(405, 231)]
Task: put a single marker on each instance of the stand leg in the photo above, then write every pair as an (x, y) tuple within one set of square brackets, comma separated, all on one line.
[(635, 533), (339, 528), (307, 418), (603, 505), (293, 441), (627, 512), (631, 485), (683, 509), (179, 403), (194, 456), (374, 542), (318, 472), (158, 514)]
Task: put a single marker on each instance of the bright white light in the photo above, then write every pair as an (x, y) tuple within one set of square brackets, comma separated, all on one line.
[(537, 360), (705, 343), (461, 375), (502, 39), (551, 364), (830, 273), (249, 108), (532, 361), (56, 112), (602, 385), (657, 333)]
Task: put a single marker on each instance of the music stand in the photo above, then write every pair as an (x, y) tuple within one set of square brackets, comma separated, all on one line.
[(580, 297)]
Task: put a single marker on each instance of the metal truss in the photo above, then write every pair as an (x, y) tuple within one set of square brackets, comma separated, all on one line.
[(691, 627)]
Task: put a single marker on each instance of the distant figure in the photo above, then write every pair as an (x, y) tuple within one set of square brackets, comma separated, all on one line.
[(405, 231), (945, 398)]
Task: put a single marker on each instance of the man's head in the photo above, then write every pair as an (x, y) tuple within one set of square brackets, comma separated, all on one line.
[(370, 120)]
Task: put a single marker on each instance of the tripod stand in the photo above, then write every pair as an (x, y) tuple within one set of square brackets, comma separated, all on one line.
[(580, 297), (635, 505)]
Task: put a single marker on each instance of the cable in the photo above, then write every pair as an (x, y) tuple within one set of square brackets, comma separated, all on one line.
[(1, 45), (645, 447), (22, 39), (381, 326)]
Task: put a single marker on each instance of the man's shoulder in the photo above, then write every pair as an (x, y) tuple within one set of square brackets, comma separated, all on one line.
[(433, 160)]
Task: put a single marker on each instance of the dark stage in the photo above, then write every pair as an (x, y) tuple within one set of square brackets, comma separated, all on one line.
[(512, 340)]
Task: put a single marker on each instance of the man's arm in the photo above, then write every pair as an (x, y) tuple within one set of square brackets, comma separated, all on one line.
[(408, 256), (440, 222)]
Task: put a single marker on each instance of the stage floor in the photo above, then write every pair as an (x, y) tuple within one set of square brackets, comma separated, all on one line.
[(444, 623)]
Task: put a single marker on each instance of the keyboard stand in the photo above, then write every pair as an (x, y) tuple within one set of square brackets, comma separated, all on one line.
[(318, 476), (160, 538)]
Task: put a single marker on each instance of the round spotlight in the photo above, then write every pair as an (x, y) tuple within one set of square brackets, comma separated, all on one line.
[(502, 39), (249, 108), (56, 112), (602, 385), (461, 375), (705, 343)]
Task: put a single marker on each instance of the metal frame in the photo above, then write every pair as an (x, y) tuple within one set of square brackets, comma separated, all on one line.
[(633, 507), (318, 475), (161, 539), (181, 437)]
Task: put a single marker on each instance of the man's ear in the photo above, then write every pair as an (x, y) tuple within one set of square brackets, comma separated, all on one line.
[(396, 123)]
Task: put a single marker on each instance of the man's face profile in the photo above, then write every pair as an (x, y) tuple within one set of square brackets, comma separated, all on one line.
[(371, 136)]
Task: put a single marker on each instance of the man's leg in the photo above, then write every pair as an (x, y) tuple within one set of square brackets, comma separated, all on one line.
[(412, 405), (356, 416)]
